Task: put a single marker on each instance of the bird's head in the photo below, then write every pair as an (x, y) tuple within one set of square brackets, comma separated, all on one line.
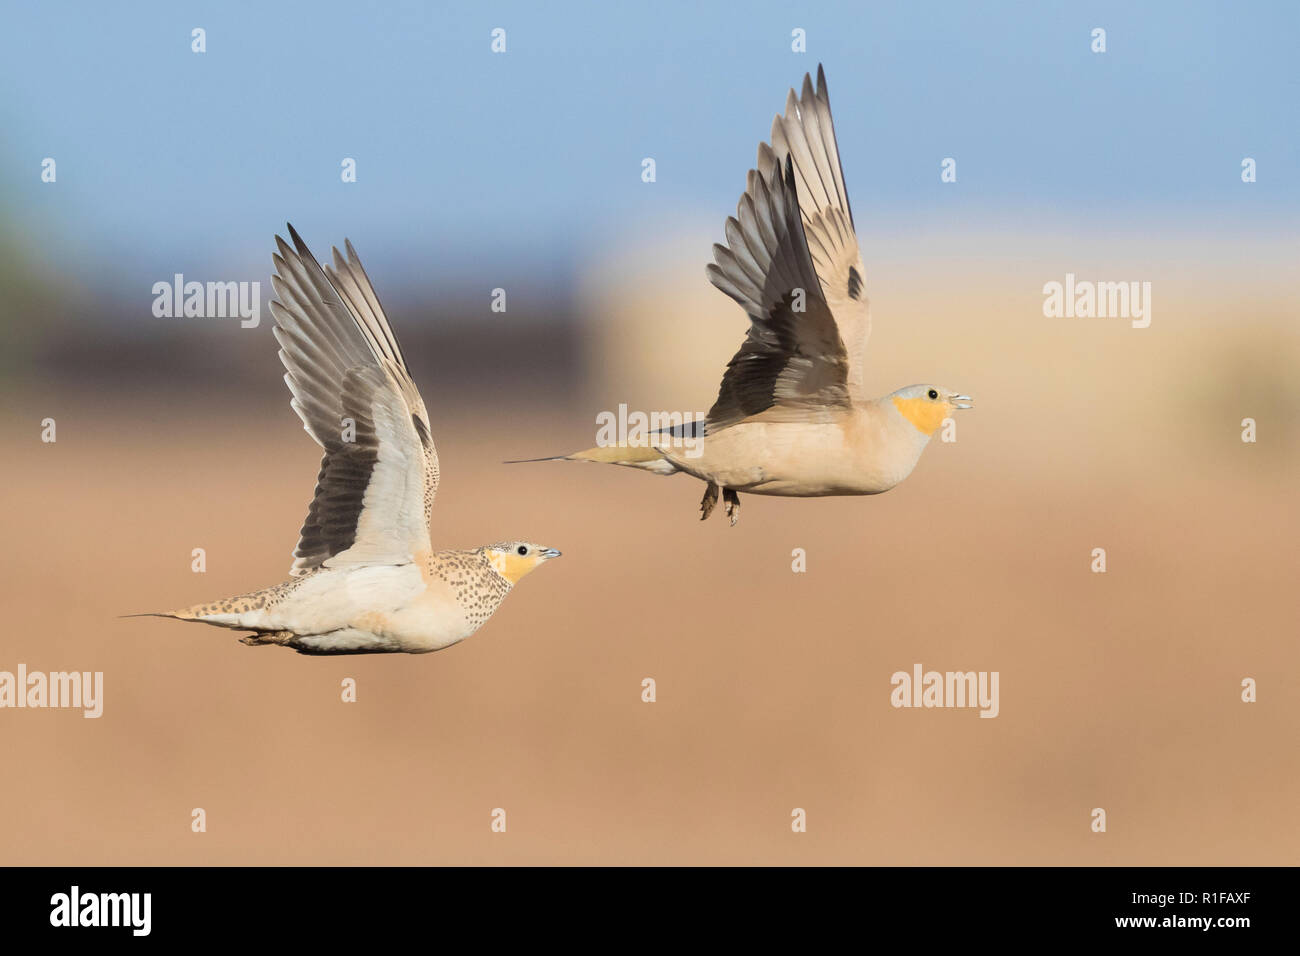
[(926, 406), (513, 559)]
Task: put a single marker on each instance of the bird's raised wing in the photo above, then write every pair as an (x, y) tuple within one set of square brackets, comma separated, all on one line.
[(805, 135), (792, 365), (352, 390)]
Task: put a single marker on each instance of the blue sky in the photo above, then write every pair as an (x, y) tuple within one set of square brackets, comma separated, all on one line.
[(530, 160)]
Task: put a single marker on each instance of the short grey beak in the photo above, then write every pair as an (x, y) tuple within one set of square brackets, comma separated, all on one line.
[(550, 553), (962, 401)]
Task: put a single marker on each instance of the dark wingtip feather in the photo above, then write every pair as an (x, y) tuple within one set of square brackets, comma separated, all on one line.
[(299, 244)]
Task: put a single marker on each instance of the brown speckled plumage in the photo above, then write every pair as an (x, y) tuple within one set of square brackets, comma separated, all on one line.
[(479, 589)]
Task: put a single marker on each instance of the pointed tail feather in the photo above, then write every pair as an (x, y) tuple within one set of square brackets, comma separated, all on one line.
[(644, 457), (200, 613), (183, 615)]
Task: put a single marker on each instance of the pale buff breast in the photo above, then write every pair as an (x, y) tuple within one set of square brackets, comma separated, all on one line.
[(460, 593), (436, 618)]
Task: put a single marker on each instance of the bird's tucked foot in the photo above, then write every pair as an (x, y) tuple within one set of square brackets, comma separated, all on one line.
[(710, 500), (267, 637), (731, 504)]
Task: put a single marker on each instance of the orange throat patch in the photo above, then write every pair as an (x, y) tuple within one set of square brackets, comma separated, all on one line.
[(924, 415), (512, 567)]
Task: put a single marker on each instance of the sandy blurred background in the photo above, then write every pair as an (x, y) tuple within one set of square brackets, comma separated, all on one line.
[(1119, 691)]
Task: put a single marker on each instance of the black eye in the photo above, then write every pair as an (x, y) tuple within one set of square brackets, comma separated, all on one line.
[(522, 549), (933, 394)]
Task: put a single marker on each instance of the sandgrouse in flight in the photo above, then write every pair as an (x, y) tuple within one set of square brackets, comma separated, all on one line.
[(365, 578), (791, 417)]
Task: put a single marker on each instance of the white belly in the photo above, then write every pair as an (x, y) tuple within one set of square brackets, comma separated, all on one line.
[(336, 599)]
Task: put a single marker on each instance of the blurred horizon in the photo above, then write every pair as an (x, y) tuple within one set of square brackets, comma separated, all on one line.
[(521, 166)]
